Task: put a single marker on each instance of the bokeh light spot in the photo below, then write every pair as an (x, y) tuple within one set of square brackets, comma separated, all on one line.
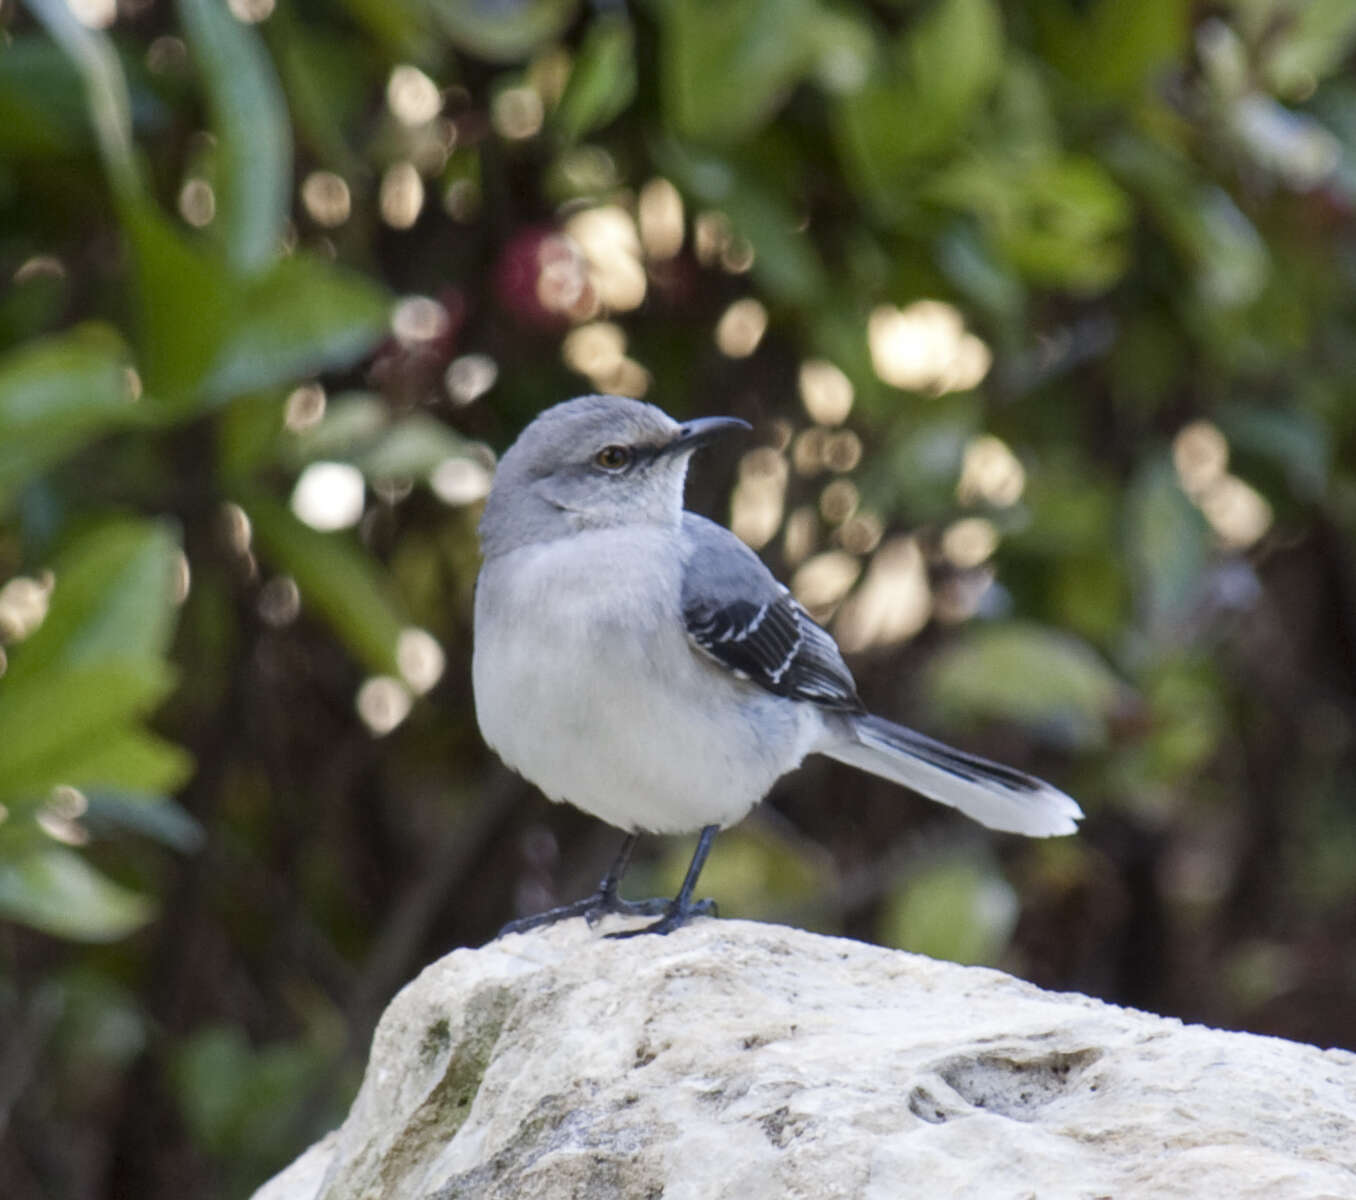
[(412, 96), (197, 202), (809, 452), (893, 603), (741, 328), (821, 582), (469, 377), (326, 199), (420, 659), (990, 473), (970, 541), (251, 12), (329, 496), (925, 348), (861, 532), (94, 14), (563, 279), (594, 350), (181, 580), (167, 55), (401, 197), (460, 481), (383, 703), (461, 200), (40, 266), (1238, 513), (826, 391), (659, 216), (279, 601), (838, 501), (517, 113), (23, 605), (1200, 452), (305, 407), (711, 233), (800, 535), (608, 238), (842, 450), (236, 530), (759, 497), (416, 320)]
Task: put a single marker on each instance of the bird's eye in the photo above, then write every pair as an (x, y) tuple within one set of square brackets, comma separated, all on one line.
[(613, 458)]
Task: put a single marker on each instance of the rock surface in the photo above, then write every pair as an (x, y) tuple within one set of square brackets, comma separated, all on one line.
[(749, 1061)]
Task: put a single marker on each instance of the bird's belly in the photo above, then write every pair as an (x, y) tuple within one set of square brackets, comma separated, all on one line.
[(613, 717)]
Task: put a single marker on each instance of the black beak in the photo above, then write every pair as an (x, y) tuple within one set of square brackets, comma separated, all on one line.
[(705, 429)]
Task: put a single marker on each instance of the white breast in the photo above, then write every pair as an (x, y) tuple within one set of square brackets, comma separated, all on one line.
[(586, 684)]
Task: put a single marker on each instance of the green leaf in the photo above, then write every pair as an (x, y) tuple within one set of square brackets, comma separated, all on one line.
[(506, 31), (209, 337), (973, 267), (75, 689), (32, 306), (57, 395), (185, 303), (319, 73), (303, 317), (41, 108), (603, 81), (785, 262), (728, 67), (917, 470), (951, 60), (1027, 674), (1110, 47), (129, 760), (48, 722), (55, 890), (353, 423), (249, 434), (1229, 258), (1289, 437), (340, 583), (1063, 222), (915, 107), (204, 333), (112, 602), (412, 447), (1313, 41), (359, 428), (110, 110), (399, 26), (1167, 546), (151, 816), (253, 139)]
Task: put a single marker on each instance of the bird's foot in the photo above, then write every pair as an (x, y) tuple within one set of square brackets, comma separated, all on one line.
[(615, 905), (592, 908), (675, 916)]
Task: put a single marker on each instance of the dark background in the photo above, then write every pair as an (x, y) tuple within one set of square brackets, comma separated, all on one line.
[(1083, 269)]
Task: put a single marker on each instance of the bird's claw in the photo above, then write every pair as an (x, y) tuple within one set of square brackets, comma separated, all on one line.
[(674, 918)]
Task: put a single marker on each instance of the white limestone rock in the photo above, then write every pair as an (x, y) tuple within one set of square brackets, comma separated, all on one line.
[(738, 1060)]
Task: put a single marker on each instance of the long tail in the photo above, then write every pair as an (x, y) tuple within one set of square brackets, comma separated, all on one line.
[(994, 795)]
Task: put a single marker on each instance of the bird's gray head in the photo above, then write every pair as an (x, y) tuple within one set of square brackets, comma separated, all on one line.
[(595, 462)]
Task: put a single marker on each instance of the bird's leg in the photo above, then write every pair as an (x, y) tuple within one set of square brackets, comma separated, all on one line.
[(604, 900), (682, 909)]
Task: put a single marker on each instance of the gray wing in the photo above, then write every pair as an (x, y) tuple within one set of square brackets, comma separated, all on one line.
[(738, 614)]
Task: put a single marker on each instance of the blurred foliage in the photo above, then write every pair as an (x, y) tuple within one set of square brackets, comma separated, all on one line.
[(1044, 312)]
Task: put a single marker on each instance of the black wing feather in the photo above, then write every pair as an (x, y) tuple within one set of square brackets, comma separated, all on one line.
[(739, 615)]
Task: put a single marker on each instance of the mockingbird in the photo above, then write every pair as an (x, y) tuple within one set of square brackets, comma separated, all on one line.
[(641, 663)]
